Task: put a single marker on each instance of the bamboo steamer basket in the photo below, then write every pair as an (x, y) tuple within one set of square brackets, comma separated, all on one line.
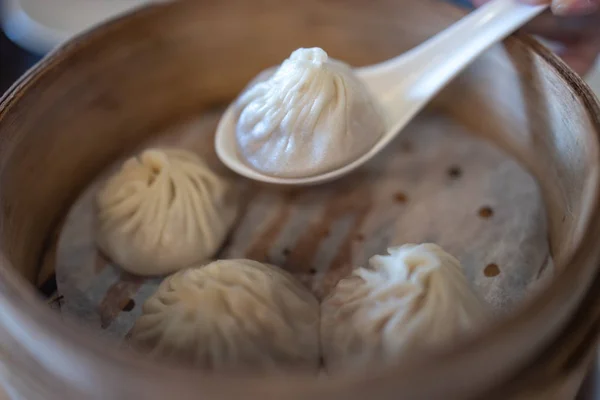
[(100, 95)]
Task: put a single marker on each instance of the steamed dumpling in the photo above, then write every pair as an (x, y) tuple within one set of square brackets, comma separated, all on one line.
[(412, 300), (232, 315), (312, 115), (164, 210)]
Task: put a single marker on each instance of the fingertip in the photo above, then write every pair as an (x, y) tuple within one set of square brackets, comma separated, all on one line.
[(574, 7), (582, 56), (479, 3), (581, 67)]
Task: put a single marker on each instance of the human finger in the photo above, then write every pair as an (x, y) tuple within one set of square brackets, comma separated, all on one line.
[(581, 56), (562, 7)]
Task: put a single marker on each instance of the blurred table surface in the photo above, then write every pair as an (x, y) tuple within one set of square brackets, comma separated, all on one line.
[(14, 61)]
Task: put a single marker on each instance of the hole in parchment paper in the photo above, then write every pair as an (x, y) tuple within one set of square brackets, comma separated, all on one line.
[(400, 197), (286, 252), (312, 271), (454, 172), (486, 212), (491, 270), (129, 306)]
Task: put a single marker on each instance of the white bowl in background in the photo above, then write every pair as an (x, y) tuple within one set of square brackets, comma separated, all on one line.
[(41, 25)]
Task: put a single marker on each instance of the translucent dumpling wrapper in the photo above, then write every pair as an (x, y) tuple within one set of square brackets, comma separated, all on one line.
[(311, 116), (164, 210), (232, 315), (413, 300)]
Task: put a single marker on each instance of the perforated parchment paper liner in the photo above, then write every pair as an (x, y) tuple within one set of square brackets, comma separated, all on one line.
[(435, 184)]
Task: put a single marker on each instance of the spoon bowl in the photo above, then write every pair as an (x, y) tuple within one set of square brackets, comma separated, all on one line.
[(403, 85)]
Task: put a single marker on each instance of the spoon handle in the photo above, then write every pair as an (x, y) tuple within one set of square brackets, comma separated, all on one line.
[(416, 76)]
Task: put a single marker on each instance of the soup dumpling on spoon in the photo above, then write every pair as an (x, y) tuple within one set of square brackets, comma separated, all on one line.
[(310, 116)]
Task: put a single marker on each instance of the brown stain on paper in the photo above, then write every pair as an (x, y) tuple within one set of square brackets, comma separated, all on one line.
[(259, 250), (117, 297), (354, 202)]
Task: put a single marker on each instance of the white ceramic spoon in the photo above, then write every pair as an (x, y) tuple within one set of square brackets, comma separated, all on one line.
[(404, 84)]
